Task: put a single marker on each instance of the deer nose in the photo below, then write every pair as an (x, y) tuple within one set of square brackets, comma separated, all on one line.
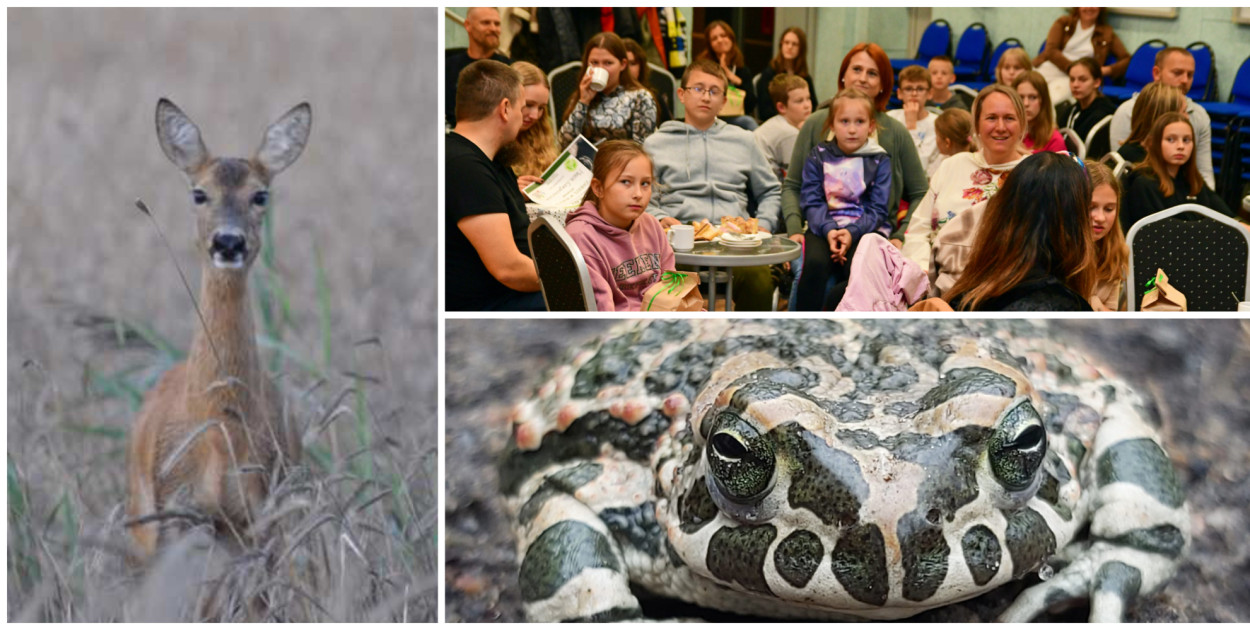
[(229, 245)]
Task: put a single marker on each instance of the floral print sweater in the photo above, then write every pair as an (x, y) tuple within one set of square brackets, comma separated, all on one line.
[(962, 181), (621, 115)]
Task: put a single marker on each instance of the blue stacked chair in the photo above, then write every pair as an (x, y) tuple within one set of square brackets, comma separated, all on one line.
[(987, 76), (1230, 141), (971, 54), (1140, 71), (935, 41), (1204, 86)]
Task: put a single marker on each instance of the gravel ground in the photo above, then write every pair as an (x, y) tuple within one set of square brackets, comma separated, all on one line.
[(1198, 370), (82, 91)]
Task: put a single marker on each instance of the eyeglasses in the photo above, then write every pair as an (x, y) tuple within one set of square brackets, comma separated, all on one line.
[(913, 90), (700, 91)]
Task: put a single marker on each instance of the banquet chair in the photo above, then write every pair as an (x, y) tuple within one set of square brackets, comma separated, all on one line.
[(1072, 140), (1098, 141), (1205, 255), (564, 81), (562, 270)]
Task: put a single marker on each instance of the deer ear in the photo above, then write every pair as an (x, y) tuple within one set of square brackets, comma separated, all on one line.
[(285, 139), (179, 137)]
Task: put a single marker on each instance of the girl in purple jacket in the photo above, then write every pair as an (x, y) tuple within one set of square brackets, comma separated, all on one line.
[(846, 187)]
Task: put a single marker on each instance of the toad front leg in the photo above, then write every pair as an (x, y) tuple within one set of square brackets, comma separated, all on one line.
[(1139, 530), (572, 568)]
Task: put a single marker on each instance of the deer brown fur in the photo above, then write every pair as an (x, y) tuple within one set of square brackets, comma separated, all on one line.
[(211, 436)]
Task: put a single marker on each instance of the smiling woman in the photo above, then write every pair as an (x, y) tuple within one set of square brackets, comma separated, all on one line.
[(963, 185)]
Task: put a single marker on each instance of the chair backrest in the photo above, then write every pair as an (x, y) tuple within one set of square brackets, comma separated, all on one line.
[(1204, 84), (965, 90), (1098, 142), (564, 81), (1241, 85), (664, 83), (1141, 64), (562, 270), (1205, 255), (1076, 146), (935, 41), (755, 89), (1001, 48), (974, 46), (1117, 163)]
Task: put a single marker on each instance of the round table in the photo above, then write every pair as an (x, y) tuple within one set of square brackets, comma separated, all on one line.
[(714, 255)]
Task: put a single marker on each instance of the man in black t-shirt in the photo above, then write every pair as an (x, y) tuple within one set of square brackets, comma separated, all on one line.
[(488, 265), (482, 24)]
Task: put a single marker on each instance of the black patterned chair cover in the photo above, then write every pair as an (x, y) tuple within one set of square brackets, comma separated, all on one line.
[(1205, 255), (562, 271)]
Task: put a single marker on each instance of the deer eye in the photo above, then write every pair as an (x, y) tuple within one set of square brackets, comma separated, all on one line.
[(199, 196), (260, 199)]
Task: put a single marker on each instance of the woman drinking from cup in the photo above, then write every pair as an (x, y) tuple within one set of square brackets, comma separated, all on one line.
[(609, 103)]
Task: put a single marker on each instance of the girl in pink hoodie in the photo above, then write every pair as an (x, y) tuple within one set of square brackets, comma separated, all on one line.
[(625, 248)]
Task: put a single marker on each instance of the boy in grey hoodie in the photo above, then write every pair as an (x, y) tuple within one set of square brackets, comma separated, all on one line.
[(707, 169)]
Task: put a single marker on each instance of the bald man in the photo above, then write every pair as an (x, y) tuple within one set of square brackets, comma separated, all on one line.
[(483, 25)]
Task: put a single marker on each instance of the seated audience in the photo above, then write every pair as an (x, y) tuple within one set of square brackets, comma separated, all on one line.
[(866, 68), (1169, 176), (722, 48), (776, 136), (624, 110), (846, 185), (707, 169), (953, 128), (1011, 64), (942, 75), (1034, 251), (1084, 32), (1042, 134), (625, 248), (1085, 79), (914, 90), (482, 24), (966, 182), (487, 250), (535, 147), (636, 58), (1110, 249), (791, 59), (1155, 100), (1175, 67)]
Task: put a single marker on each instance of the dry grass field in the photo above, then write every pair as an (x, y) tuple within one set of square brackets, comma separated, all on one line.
[(345, 299), (1197, 370)]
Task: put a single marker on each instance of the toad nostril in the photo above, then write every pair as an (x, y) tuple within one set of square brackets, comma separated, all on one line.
[(933, 516)]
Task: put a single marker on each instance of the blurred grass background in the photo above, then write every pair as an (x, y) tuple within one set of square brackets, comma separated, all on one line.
[(345, 296)]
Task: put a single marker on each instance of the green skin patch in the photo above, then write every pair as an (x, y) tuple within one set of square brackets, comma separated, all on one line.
[(1143, 463), (559, 554)]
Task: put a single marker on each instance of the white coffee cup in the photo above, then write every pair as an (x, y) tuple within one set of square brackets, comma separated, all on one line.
[(681, 237), (1243, 307), (598, 79)]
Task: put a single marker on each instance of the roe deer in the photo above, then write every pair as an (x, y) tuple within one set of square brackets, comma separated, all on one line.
[(211, 433)]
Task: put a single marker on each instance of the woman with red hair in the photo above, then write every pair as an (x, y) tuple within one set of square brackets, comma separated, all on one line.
[(867, 69)]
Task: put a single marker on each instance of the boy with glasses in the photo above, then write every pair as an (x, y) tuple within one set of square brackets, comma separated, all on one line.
[(707, 169), (915, 89)]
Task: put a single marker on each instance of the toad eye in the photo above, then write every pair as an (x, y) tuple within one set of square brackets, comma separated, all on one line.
[(741, 460), (1018, 446), (261, 198), (199, 197)]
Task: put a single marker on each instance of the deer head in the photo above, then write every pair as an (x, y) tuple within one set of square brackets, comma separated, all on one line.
[(230, 195)]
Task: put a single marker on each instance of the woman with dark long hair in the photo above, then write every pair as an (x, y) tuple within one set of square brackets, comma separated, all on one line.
[(624, 110), (791, 59), (636, 61), (1034, 250)]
